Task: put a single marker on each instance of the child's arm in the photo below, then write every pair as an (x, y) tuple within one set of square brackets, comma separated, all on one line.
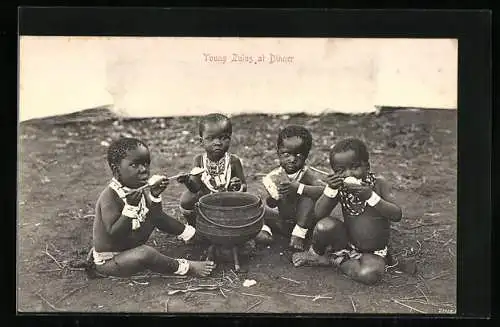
[(115, 216), (330, 198), (327, 201), (312, 187), (386, 206), (193, 183), (237, 171), (383, 201)]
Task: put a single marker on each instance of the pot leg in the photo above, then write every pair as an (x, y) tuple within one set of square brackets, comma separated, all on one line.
[(236, 259), (211, 253)]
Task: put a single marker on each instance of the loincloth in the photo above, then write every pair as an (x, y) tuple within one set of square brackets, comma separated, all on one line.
[(351, 252), (100, 258)]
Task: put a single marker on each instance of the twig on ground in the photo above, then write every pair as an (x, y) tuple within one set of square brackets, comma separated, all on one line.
[(424, 282), (52, 257), (314, 297), (183, 282), (166, 304), (419, 247), (71, 293), (255, 295), (221, 292), (353, 305), (440, 275), (430, 303), (162, 276), (194, 289), (425, 225), (451, 253), (48, 271), (47, 302), (235, 276), (425, 296), (407, 306), (254, 305), (392, 266), (291, 280), (140, 283), (89, 216), (448, 242)]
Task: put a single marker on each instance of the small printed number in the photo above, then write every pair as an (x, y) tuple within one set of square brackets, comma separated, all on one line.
[(446, 311)]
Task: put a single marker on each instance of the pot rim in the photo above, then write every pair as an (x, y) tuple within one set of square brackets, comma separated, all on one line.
[(208, 206)]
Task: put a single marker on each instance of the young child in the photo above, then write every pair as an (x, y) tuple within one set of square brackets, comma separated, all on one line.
[(222, 171), (292, 187), (123, 223), (359, 244)]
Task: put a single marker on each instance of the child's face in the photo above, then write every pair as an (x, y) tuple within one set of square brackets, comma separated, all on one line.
[(348, 164), (291, 155), (134, 168), (216, 139)]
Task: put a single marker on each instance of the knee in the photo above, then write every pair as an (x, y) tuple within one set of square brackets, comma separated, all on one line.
[(145, 254), (372, 273), (188, 200), (327, 225), (306, 202)]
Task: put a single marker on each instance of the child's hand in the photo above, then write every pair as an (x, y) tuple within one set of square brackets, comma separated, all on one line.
[(335, 181), (271, 203), (286, 188), (159, 186), (134, 198), (234, 184), (183, 179), (363, 192)]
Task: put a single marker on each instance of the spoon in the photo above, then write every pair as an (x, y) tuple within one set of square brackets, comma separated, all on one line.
[(194, 172)]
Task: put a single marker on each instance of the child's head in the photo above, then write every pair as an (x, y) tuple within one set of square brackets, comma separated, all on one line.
[(294, 144), (129, 161), (215, 132), (350, 157)]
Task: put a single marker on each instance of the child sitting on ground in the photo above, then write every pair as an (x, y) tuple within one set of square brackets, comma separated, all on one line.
[(292, 188), (125, 218), (222, 171), (359, 244)]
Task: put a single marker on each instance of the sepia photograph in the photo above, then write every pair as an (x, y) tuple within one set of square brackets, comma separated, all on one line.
[(237, 175)]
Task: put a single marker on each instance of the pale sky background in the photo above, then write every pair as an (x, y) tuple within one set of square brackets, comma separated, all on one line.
[(145, 77)]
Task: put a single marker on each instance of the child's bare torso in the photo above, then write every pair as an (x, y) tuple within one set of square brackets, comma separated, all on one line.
[(104, 242), (368, 231)]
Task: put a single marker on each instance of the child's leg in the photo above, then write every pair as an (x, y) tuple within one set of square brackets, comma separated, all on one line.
[(304, 220), (145, 257), (188, 201), (170, 225), (327, 232), (369, 269), (273, 221)]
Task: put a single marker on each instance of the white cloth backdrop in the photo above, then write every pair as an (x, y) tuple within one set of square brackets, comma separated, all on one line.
[(145, 77)]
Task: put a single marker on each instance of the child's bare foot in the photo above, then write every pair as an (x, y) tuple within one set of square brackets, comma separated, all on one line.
[(201, 268), (297, 243), (264, 238), (309, 257)]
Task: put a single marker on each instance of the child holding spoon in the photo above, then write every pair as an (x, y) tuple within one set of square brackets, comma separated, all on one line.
[(127, 213), (220, 170)]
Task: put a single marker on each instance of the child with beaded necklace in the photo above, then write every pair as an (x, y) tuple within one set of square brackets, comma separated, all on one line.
[(126, 215), (359, 244), (222, 171)]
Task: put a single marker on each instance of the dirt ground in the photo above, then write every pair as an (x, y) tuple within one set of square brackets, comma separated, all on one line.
[(62, 170)]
